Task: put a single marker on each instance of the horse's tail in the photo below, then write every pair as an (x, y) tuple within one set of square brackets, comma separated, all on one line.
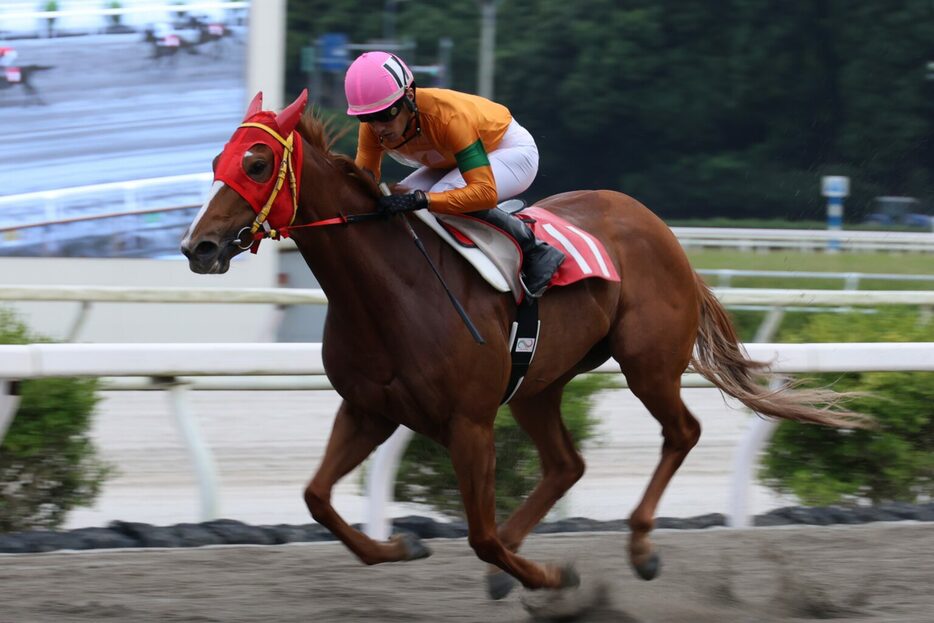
[(720, 359)]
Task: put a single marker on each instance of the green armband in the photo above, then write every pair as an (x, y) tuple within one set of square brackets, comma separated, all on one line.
[(472, 157)]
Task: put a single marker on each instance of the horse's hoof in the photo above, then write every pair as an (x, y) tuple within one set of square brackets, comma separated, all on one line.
[(569, 577), (568, 603), (499, 584), (413, 546), (649, 569)]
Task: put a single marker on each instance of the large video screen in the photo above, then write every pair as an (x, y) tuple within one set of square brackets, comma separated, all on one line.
[(113, 111)]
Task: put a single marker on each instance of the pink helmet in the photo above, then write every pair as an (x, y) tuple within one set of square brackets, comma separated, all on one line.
[(375, 81)]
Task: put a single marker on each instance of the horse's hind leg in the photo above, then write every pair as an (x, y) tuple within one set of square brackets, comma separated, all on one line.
[(474, 456), (562, 466), (353, 438), (653, 347), (680, 431)]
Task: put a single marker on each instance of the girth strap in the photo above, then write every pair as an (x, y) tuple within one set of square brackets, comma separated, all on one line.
[(523, 340)]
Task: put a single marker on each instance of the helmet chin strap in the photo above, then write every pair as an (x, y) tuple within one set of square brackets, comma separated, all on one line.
[(413, 107)]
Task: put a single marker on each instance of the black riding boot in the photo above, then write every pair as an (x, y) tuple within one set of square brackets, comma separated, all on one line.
[(540, 259)]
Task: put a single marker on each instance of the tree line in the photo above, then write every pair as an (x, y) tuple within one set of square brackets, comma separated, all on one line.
[(698, 108)]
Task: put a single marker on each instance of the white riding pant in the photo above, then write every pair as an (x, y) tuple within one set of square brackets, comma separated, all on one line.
[(514, 163)]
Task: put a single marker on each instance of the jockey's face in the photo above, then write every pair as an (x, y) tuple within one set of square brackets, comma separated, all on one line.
[(391, 131)]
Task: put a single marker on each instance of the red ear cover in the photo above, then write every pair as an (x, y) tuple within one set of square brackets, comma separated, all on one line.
[(255, 106), (288, 118)]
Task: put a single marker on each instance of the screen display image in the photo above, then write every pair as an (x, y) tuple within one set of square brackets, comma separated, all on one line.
[(114, 114)]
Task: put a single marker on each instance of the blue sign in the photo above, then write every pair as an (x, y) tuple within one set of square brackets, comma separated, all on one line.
[(334, 55)]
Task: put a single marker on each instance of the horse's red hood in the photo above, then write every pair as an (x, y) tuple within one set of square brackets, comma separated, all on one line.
[(230, 170)]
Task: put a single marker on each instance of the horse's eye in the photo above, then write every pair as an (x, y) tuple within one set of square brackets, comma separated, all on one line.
[(257, 167)]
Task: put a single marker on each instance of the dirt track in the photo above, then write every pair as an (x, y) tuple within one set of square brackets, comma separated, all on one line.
[(868, 573)]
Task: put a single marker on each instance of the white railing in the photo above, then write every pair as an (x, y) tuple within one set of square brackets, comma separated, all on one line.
[(130, 195), (850, 280), (167, 362), (804, 239), (309, 296), (21, 19), (43, 222), (178, 190), (770, 299)]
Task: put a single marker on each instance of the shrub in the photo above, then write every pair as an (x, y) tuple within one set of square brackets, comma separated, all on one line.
[(47, 462), (824, 466), (426, 475)]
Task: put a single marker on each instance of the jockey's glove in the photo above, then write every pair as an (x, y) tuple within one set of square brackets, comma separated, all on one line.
[(394, 204)]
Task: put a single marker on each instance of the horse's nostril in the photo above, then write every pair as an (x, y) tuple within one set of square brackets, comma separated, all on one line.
[(205, 250)]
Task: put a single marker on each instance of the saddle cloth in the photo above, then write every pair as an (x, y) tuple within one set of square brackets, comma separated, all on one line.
[(12, 74), (498, 259)]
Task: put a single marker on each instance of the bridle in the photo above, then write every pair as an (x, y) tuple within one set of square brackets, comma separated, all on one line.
[(287, 169)]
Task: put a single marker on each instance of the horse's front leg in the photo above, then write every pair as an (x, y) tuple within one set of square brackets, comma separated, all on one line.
[(473, 455), (354, 437)]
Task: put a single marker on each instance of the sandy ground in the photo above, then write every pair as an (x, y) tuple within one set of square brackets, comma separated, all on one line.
[(868, 573), (266, 446)]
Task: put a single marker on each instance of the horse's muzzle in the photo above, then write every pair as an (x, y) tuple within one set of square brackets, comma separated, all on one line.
[(207, 257)]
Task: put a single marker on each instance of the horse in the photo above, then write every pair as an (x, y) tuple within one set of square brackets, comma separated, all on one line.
[(398, 355), (168, 45), (26, 73), (215, 34)]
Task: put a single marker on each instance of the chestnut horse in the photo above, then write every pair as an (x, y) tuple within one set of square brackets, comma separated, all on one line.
[(398, 354)]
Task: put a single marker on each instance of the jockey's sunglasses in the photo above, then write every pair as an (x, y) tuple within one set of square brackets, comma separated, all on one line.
[(383, 116)]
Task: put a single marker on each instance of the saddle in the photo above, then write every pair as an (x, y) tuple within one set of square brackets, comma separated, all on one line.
[(497, 257)]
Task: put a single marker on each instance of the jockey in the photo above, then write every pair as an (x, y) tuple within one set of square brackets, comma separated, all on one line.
[(468, 151), (7, 56)]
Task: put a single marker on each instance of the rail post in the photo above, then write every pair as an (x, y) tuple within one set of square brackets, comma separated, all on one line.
[(380, 482), (200, 455), (9, 402)]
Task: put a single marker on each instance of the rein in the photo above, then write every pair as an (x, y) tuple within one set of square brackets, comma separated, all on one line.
[(284, 232)]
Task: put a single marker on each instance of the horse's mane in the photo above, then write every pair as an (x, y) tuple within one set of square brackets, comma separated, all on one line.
[(317, 132)]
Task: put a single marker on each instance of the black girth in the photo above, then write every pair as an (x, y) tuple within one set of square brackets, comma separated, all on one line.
[(523, 340)]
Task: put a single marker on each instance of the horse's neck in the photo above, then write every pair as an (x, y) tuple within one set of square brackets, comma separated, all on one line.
[(350, 261)]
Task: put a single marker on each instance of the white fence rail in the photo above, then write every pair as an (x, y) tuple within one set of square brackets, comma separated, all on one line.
[(46, 206), (850, 280), (20, 20), (805, 239), (126, 215), (774, 300), (308, 296), (167, 362), (18, 218)]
